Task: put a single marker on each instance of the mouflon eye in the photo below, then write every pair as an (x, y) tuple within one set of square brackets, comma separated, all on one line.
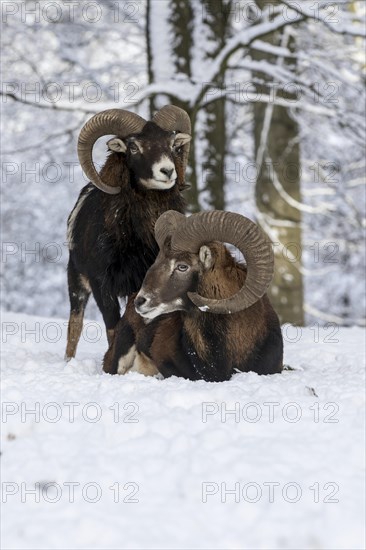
[(182, 267), (133, 148)]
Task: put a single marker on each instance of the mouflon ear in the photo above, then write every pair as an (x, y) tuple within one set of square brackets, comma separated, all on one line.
[(206, 257), (117, 145), (181, 139)]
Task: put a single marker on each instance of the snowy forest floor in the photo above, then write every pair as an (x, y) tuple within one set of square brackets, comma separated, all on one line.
[(132, 462)]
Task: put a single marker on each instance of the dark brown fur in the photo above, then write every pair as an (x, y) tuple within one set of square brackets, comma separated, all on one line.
[(113, 243), (203, 345)]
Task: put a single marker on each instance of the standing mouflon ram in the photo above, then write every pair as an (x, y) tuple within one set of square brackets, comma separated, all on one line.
[(111, 228), (199, 313)]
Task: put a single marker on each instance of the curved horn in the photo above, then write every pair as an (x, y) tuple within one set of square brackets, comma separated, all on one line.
[(175, 119), (112, 121), (235, 229), (166, 224)]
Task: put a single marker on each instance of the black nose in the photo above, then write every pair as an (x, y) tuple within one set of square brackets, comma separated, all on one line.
[(139, 301), (167, 171)]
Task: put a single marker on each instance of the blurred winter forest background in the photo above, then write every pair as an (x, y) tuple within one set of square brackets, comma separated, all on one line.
[(276, 93)]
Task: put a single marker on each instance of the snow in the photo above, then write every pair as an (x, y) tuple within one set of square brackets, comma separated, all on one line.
[(156, 455)]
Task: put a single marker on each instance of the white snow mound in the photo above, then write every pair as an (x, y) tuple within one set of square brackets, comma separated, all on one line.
[(133, 462)]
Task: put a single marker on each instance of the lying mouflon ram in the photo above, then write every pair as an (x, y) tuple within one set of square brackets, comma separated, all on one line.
[(199, 314), (111, 228)]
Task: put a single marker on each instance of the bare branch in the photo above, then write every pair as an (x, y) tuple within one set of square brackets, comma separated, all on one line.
[(52, 106), (305, 10)]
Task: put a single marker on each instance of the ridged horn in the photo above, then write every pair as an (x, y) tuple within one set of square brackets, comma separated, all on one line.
[(201, 228), (166, 225), (112, 121), (175, 119)]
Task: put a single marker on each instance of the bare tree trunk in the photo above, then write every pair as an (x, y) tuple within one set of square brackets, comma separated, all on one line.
[(278, 180), (216, 19), (179, 25), (182, 21), (149, 54)]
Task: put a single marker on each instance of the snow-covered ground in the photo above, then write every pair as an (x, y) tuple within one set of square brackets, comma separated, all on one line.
[(134, 462)]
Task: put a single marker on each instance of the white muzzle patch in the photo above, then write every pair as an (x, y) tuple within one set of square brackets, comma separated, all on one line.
[(164, 175)]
